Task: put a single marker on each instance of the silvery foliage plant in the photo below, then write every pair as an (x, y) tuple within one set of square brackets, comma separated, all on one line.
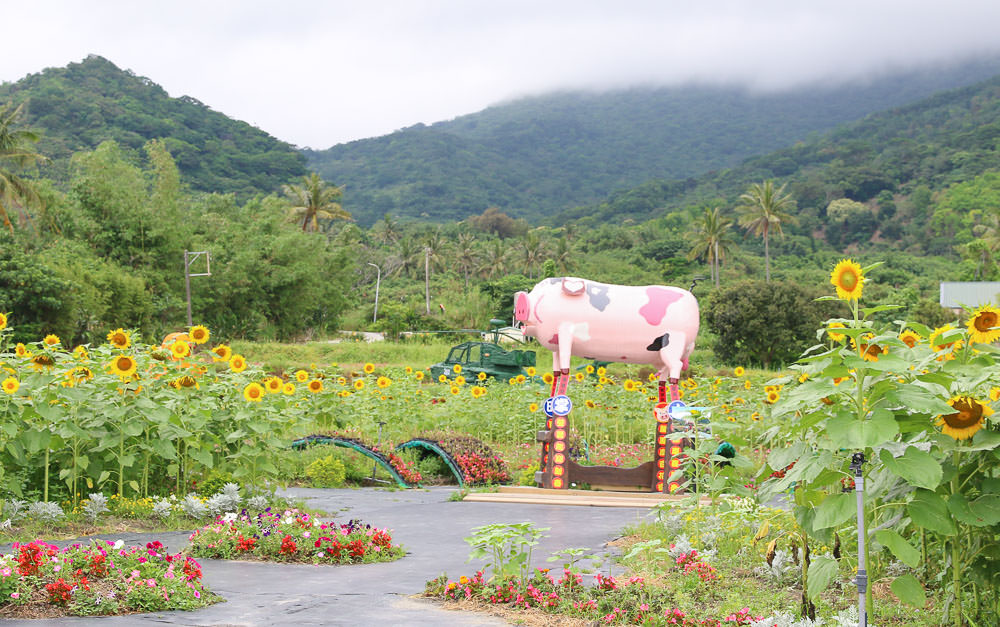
[(257, 503), (15, 509), (226, 500), (45, 512), (161, 509), (193, 507), (845, 618), (97, 504)]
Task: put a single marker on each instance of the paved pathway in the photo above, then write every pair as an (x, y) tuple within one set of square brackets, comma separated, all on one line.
[(428, 525)]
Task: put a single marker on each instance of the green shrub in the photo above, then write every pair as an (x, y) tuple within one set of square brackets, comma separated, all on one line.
[(327, 472)]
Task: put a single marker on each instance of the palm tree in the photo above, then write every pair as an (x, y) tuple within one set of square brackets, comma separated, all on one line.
[(711, 240), (765, 209), (564, 255), (315, 199), (531, 248), (466, 254), (387, 230), (408, 258), (984, 248), (15, 191), (494, 259)]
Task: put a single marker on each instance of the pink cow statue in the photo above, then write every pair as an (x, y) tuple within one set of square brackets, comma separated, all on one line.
[(651, 324)]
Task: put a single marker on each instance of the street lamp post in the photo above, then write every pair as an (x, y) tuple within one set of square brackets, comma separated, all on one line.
[(378, 280), (189, 258), (427, 279)]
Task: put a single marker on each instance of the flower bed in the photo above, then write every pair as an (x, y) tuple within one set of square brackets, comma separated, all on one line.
[(477, 461), (42, 580), (293, 536), (608, 601)]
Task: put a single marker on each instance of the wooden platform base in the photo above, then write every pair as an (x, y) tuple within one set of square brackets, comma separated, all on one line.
[(591, 498)]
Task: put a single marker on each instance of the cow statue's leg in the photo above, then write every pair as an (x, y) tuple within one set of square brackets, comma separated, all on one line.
[(673, 362), (565, 353)]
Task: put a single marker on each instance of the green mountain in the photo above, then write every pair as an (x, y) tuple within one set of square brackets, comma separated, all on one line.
[(914, 173), (539, 156), (79, 106)]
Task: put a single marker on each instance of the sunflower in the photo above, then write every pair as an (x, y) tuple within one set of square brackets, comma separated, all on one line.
[(459, 380), (602, 371), (21, 350), (590, 368), (954, 345), (457, 368), (652, 377), (222, 352), (478, 391), (316, 385), (454, 390), (910, 337), (80, 374), (383, 382), (629, 385), (41, 362), (341, 380), (288, 388), (531, 371), (253, 392), (51, 339), (120, 338), (869, 351), (187, 381), (772, 397), (848, 279), (983, 325), (199, 334), (739, 372), (836, 337), (10, 384), (602, 380), (580, 376), (968, 417), (369, 368), (3, 321), (80, 352), (123, 366), (521, 378), (180, 349), (533, 407), (408, 370), (995, 394), (548, 378), (481, 376), (273, 384), (358, 385), (803, 377), (419, 375), (755, 417), (237, 363), (590, 404)]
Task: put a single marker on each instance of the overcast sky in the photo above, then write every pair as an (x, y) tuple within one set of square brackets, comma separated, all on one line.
[(320, 73)]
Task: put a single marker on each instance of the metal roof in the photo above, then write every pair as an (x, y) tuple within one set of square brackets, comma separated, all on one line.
[(969, 293)]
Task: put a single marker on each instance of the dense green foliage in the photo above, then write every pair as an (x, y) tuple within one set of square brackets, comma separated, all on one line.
[(541, 155), (79, 106)]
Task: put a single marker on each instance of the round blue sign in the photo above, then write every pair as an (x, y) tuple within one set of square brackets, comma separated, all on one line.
[(676, 407), (547, 406), (561, 405)]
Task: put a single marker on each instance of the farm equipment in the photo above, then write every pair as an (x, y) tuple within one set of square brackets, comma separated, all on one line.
[(487, 356)]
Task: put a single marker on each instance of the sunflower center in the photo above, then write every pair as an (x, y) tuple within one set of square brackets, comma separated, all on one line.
[(969, 414), (124, 363), (985, 321), (848, 280)]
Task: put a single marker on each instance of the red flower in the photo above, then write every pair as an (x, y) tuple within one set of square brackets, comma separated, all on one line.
[(288, 546)]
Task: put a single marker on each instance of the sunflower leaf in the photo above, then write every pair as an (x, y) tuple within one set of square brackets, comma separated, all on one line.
[(915, 466), (822, 571), (819, 298), (929, 510), (868, 269), (909, 590), (846, 431), (867, 311), (899, 547)]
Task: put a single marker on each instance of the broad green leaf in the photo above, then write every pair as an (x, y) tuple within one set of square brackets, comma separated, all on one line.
[(888, 363), (202, 457), (984, 440), (899, 547), (914, 466), (780, 458), (104, 476), (982, 512), (822, 571), (35, 441), (134, 485), (908, 590), (848, 432), (918, 400), (928, 510), (132, 428), (835, 510), (83, 461)]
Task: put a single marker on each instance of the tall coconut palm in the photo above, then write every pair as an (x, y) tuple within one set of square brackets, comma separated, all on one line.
[(494, 259), (711, 240), (564, 256), (531, 251), (14, 153), (315, 199), (466, 254), (387, 230), (764, 209)]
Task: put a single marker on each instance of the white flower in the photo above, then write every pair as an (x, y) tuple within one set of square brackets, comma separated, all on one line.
[(315, 522), (229, 517), (119, 544), (305, 535)]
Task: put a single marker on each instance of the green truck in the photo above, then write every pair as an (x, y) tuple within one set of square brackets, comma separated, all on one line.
[(486, 356)]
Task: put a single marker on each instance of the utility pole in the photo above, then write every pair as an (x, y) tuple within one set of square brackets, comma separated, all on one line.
[(189, 258), (427, 278), (378, 279)]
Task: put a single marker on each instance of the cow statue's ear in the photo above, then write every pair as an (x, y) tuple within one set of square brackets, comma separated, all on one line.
[(573, 287)]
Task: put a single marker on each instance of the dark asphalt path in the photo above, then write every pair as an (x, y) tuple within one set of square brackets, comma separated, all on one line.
[(425, 522)]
